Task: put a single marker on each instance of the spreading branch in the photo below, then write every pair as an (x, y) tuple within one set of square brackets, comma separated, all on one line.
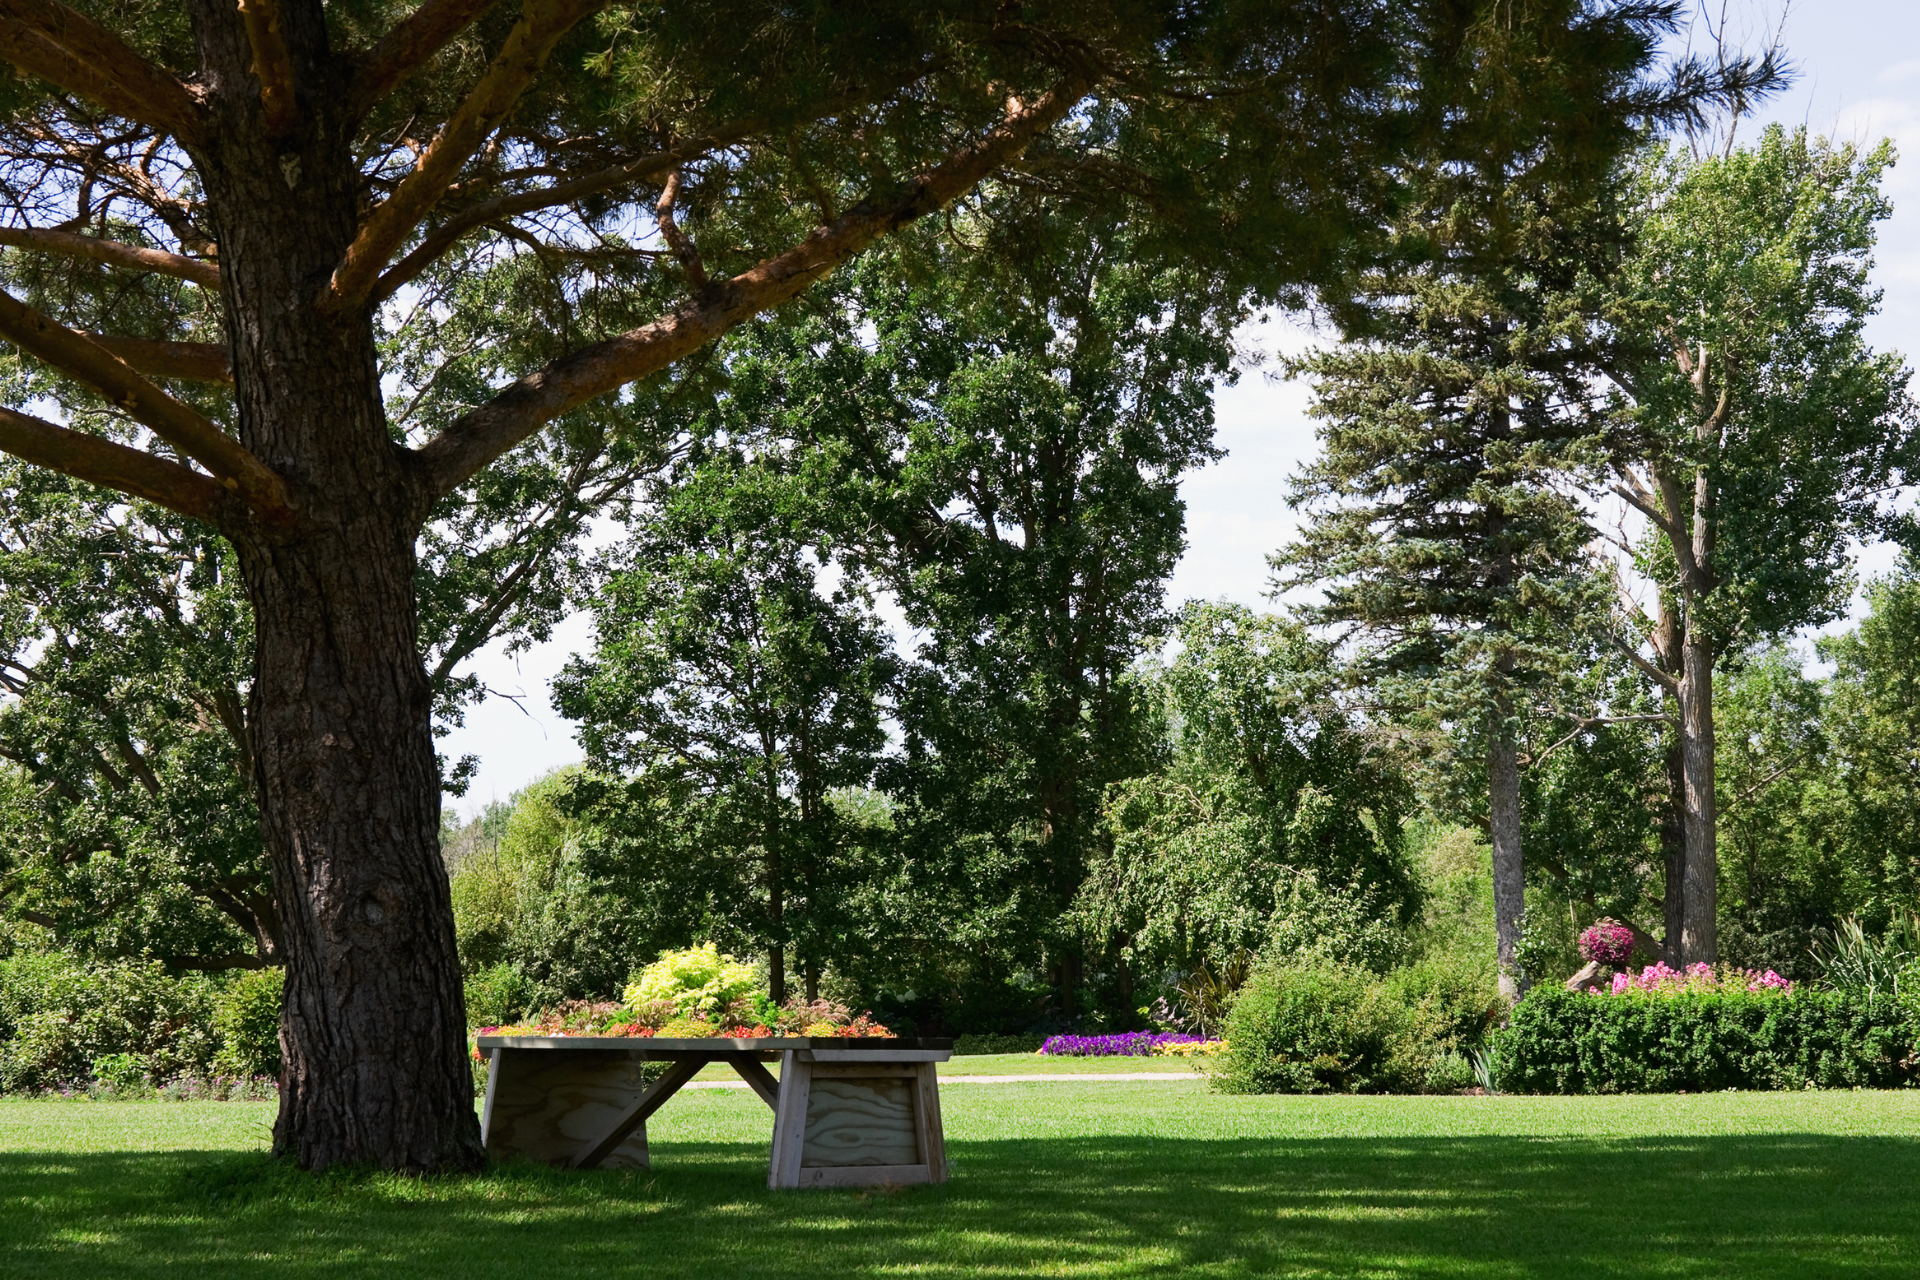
[(1665, 679), (188, 361), (677, 240), (487, 212), (408, 46), (180, 425), (112, 252), (104, 462), (272, 65), (541, 24), (447, 461), (49, 40)]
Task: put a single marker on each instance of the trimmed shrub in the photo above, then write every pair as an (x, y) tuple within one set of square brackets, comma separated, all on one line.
[(1701, 1040), (247, 1016), (1316, 1027), (58, 1017), (499, 995)]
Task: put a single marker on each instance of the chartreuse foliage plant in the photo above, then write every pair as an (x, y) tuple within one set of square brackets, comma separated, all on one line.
[(698, 980), (1128, 1181)]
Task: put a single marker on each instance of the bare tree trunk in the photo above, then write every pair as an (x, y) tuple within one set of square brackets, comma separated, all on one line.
[(373, 1032), (1673, 844), (1699, 931), (1509, 873)]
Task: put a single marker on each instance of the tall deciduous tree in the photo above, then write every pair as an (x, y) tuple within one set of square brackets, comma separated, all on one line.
[(276, 183), (1758, 431), (727, 679)]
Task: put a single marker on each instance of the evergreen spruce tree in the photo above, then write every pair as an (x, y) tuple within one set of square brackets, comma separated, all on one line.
[(1456, 416)]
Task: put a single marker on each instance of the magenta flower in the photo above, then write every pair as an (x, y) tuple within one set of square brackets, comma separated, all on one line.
[(1608, 942)]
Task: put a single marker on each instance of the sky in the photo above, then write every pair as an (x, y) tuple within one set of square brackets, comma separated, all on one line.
[(1858, 79)]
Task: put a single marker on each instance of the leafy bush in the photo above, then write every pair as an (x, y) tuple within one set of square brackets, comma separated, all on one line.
[(698, 980), (1315, 1027), (1852, 959), (499, 995), (58, 1017), (1701, 1039), (247, 1016), (970, 1046)]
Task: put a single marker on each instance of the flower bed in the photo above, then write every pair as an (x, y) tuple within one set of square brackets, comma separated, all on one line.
[(1658, 980), (1129, 1044), (742, 1020)]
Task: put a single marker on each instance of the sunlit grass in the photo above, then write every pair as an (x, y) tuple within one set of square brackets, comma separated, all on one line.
[(1080, 1179)]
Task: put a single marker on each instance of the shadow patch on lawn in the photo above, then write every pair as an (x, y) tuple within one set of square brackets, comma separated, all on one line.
[(1738, 1206)]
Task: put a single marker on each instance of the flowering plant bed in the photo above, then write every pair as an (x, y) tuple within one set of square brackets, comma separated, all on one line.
[(1658, 980), (581, 1018), (1129, 1044)]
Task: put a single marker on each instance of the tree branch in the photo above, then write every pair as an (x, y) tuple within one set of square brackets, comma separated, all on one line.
[(1665, 680), (49, 40), (406, 48), (180, 425), (1638, 501), (541, 24), (272, 65), (103, 462), (189, 361), (443, 237), (113, 253), (677, 240), (447, 461)]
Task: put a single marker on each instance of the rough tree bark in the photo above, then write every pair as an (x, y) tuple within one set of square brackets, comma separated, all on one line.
[(1509, 872), (374, 1021)]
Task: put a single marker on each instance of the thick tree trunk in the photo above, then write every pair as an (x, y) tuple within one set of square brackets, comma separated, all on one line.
[(1699, 931), (373, 1030), (1509, 873), (1673, 844)]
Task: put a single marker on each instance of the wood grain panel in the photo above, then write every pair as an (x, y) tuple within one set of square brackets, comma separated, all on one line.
[(854, 1121), (898, 1175), (551, 1104)]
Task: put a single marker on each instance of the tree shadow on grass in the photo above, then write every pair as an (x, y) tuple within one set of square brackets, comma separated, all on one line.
[(1770, 1205)]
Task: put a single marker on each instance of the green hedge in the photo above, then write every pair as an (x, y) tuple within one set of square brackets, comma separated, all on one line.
[(1572, 1042)]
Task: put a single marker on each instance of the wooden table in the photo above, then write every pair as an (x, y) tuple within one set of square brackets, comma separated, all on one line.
[(845, 1112)]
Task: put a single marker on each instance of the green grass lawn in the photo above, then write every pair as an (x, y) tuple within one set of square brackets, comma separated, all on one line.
[(1073, 1178)]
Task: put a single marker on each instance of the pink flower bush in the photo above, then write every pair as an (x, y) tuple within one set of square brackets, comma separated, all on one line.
[(1607, 942), (1658, 979)]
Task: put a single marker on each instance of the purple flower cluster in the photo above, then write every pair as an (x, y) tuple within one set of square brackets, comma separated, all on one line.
[(1131, 1044)]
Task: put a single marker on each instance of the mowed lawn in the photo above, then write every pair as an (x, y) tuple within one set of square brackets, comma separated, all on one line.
[(1070, 1178)]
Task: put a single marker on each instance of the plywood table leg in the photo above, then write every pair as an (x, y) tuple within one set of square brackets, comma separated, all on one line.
[(663, 1088), (790, 1121), (926, 1112)]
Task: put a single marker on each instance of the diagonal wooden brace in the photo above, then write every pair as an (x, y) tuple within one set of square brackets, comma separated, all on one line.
[(758, 1076), (662, 1089)]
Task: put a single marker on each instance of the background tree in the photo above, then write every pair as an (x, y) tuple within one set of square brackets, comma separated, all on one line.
[(1272, 815), (1441, 529), (725, 680), (1757, 431)]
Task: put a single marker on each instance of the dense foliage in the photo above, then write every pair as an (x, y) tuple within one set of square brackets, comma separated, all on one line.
[(1702, 1040)]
